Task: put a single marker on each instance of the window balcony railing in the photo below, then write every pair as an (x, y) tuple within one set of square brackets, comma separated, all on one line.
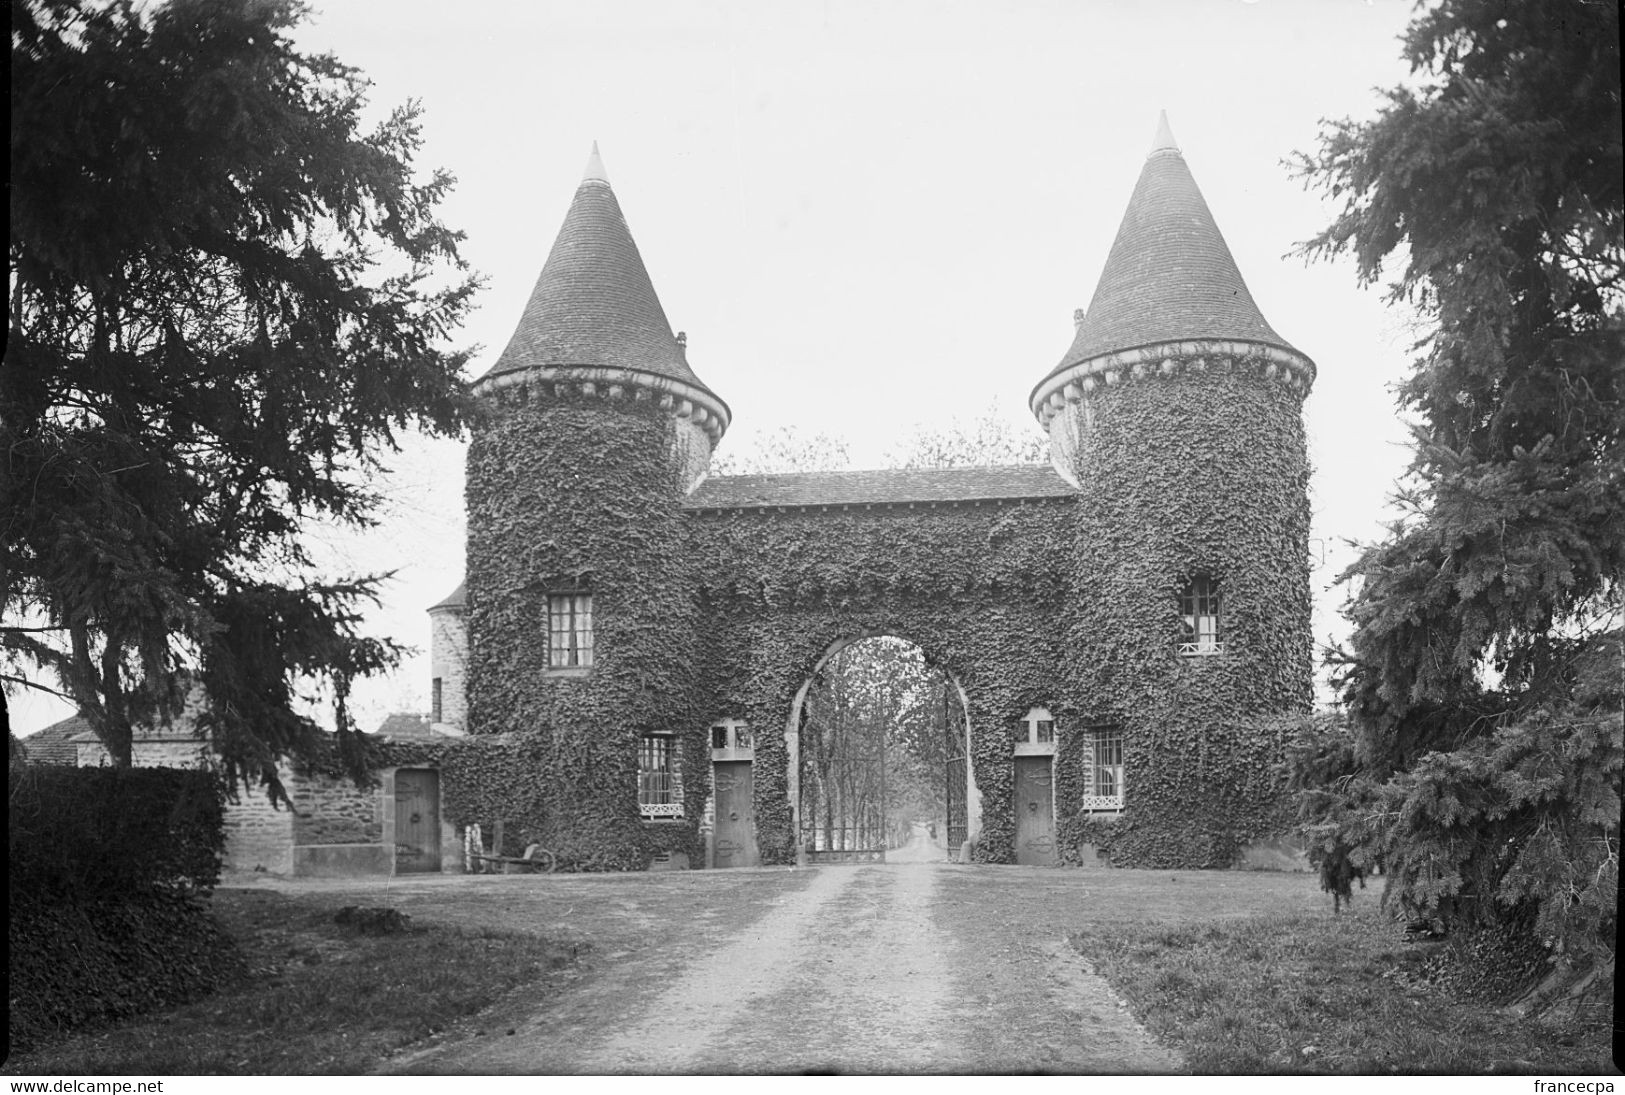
[(660, 809), (1202, 648), (1102, 802)]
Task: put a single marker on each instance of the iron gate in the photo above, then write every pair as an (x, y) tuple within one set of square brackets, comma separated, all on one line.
[(955, 781), (843, 793)]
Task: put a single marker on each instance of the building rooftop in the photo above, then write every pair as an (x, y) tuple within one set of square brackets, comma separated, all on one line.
[(594, 304), (401, 725), (888, 487), (55, 744), (457, 598), (1170, 275)]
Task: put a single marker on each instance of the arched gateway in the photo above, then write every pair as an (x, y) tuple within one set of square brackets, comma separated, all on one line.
[(1121, 623), (839, 769)]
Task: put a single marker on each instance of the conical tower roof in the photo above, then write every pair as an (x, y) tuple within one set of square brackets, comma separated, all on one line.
[(594, 305), (1169, 276)]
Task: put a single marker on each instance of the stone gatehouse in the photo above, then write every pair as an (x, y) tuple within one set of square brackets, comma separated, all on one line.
[(1122, 625)]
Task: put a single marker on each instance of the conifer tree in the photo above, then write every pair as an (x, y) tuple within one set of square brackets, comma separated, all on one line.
[(227, 297), (1480, 758)]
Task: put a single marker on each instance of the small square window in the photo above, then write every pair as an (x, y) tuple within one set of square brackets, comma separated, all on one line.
[(1037, 733), (731, 736)]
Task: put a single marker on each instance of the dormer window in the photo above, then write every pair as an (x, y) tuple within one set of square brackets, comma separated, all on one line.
[(1200, 633), (569, 631)]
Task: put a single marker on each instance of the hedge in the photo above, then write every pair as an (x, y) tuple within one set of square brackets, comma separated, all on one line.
[(107, 871), (81, 834)]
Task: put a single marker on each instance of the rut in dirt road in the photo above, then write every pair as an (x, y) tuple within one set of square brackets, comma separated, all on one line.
[(854, 963)]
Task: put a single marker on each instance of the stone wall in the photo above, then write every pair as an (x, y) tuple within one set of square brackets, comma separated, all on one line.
[(151, 752), (335, 811), (333, 829), (259, 837)]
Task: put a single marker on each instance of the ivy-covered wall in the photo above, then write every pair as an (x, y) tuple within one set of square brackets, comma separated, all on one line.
[(1196, 472), (977, 587), (1068, 603), (580, 493)]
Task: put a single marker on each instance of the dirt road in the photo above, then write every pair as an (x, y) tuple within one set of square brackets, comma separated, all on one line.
[(877, 968)]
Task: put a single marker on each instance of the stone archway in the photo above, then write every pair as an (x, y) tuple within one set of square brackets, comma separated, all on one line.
[(842, 807)]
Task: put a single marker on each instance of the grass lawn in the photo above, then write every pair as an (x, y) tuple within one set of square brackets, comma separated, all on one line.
[(1300, 992), (322, 998)]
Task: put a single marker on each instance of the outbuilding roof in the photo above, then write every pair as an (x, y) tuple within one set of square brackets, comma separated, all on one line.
[(402, 725), (55, 743), (1010, 482), (1170, 275), (457, 598), (594, 304)]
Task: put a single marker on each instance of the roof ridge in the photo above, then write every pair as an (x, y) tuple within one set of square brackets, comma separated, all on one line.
[(884, 471), (879, 487)]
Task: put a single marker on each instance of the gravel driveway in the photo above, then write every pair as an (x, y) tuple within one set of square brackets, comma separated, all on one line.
[(910, 967)]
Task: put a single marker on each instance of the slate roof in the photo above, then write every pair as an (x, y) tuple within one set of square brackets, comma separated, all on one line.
[(887, 487), (54, 744), (1170, 275), (406, 726), (457, 598), (594, 304)]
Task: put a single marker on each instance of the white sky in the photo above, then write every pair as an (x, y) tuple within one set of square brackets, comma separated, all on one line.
[(872, 215)]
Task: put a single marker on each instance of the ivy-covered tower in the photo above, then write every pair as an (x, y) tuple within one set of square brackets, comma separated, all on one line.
[(580, 609), (1176, 412)]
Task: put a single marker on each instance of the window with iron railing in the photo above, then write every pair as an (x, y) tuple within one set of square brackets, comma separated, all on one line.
[(569, 631), (1201, 618), (659, 782), (1103, 768)]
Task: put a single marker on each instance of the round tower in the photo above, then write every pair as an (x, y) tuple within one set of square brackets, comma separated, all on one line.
[(580, 606), (1176, 412)]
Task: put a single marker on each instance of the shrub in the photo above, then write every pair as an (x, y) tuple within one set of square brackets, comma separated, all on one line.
[(106, 871), (86, 834), (70, 964)]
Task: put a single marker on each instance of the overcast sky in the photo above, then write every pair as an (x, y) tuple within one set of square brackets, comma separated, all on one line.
[(869, 216)]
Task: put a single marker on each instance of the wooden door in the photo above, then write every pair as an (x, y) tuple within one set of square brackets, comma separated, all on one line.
[(417, 820), (733, 840), (1035, 811)]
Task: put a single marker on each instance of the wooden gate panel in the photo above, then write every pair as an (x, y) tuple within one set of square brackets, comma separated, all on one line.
[(734, 836), (1035, 811), (417, 821)]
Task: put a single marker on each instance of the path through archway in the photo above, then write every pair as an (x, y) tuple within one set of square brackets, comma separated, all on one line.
[(879, 755)]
